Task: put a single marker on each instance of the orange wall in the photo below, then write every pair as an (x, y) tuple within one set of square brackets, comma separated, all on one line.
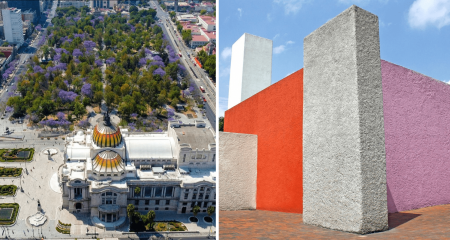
[(275, 115)]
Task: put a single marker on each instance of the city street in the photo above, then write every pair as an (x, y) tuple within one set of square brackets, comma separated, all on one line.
[(197, 74)]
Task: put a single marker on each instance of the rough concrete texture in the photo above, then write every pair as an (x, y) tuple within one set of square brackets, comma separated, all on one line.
[(417, 138), (251, 67), (237, 171), (344, 165), (275, 116)]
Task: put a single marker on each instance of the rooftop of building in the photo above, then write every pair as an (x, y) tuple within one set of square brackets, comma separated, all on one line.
[(197, 138), (208, 19), (210, 34), (199, 38)]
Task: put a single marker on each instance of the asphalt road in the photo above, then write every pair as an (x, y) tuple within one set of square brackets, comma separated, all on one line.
[(25, 53), (197, 74)]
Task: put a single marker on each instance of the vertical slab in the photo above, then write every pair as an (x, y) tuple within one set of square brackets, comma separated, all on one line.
[(251, 67), (344, 163), (237, 171)]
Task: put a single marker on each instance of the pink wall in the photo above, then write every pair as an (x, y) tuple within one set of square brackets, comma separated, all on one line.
[(417, 138)]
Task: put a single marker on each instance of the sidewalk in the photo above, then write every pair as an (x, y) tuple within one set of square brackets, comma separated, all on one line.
[(425, 223)]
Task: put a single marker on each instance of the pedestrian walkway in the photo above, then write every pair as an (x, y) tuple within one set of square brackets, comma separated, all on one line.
[(425, 223)]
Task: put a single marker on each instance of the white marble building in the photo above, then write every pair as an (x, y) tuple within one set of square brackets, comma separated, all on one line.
[(173, 170)]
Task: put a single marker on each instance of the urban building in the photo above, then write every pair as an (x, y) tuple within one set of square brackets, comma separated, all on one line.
[(25, 5), (198, 40), (103, 4), (3, 5), (29, 15), (106, 168), (13, 26), (209, 7), (73, 3), (208, 22), (187, 18)]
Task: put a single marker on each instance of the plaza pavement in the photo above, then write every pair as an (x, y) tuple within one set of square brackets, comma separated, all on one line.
[(425, 223), (37, 184)]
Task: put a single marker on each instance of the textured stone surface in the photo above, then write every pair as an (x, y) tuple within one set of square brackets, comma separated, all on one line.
[(250, 69), (416, 109), (237, 171), (274, 115), (344, 165)]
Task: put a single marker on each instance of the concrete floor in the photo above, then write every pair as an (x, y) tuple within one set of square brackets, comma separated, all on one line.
[(425, 223)]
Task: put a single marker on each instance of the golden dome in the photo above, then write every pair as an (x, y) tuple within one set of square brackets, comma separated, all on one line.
[(108, 161), (106, 135)]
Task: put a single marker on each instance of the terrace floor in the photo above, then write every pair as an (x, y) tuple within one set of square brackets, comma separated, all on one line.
[(425, 223)]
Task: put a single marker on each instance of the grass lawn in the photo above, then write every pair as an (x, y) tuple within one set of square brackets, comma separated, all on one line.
[(8, 190), (8, 213), (19, 157)]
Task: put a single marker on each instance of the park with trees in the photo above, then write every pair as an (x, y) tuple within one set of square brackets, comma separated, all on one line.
[(85, 60)]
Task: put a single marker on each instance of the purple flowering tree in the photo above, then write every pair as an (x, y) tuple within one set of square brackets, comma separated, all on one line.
[(60, 116), (83, 124), (38, 27), (89, 45), (67, 96), (134, 115), (98, 62), (86, 90), (170, 112), (110, 60), (38, 69), (160, 72), (77, 53), (142, 61), (9, 109)]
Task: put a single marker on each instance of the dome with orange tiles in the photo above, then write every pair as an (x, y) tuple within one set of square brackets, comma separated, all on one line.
[(106, 134), (108, 161)]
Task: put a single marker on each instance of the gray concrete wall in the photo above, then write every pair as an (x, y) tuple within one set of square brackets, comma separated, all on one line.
[(237, 171), (344, 164)]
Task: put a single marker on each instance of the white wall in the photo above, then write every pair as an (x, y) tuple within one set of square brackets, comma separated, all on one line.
[(251, 68)]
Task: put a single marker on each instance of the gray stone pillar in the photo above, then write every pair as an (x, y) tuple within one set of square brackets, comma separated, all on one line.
[(344, 164), (237, 171)]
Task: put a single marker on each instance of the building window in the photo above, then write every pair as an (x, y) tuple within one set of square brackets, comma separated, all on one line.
[(184, 158), (186, 195), (192, 204), (136, 202), (205, 204), (78, 192), (157, 202), (158, 191), (214, 157), (202, 188), (147, 202), (200, 196), (109, 198), (167, 208), (146, 208), (156, 208), (101, 175), (169, 191), (147, 192), (194, 196), (167, 202), (206, 196), (185, 204), (108, 175)]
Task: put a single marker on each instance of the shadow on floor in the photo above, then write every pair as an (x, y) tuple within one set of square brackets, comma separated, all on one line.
[(398, 218)]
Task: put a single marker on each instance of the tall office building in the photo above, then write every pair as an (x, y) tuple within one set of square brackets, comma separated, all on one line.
[(3, 5), (13, 25), (26, 5)]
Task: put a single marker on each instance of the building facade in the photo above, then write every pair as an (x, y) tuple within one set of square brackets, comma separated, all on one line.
[(74, 3), (103, 4), (13, 26), (26, 5), (106, 168)]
